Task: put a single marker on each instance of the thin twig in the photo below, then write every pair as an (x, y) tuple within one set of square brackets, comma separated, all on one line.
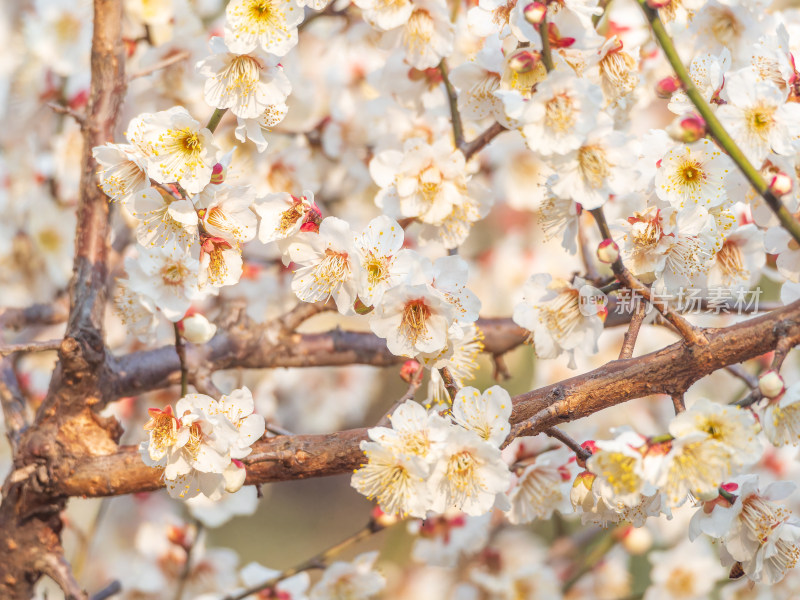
[(187, 566), (162, 64), (37, 314), (80, 118), (452, 100), (587, 256), (413, 386), (318, 561), (483, 139), (557, 434), (715, 128), (57, 568), (301, 313), (13, 402), (678, 403), (277, 430), (180, 349), (30, 347), (738, 371), (629, 341), (115, 587)]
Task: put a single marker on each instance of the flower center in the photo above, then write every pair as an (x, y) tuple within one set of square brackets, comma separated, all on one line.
[(760, 119), (559, 113), (617, 469), (562, 314), (414, 323), (594, 165), (174, 274), (731, 261), (419, 30), (290, 216)]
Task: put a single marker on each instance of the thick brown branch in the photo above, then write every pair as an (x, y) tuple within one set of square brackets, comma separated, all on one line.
[(668, 371)]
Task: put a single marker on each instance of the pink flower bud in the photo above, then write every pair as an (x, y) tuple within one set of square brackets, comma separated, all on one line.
[(608, 251), (217, 174), (781, 184), (688, 128), (382, 519), (535, 13), (637, 540), (656, 4), (771, 384), (524, 60), (668, 86), (409, 370), (234, 475)]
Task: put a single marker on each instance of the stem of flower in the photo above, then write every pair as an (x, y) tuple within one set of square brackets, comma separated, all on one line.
[(452, 99), (715, 128), (215, 119), (678, 403), (180, 348), (544, 33), (318, 561), (449, 383)]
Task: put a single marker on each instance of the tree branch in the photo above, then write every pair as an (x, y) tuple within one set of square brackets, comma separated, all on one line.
[(667, 371)]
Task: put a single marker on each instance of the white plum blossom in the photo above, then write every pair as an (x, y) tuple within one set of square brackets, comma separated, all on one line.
[(619, 471), (542, 487), (758, 117), (385, 15), (168, 276), (124, 171), (384, 264), (356, 580), (177, 148), (164, 219), (227, 214), (268, 24), (468, 475), (603, 165), (247, 84), (561, 316), (282, 215), (707, 72), (559, 117), (326, 264), (220, 262), (780, 418), (413, 319), (692, 174), (486, 414), (253, 129)]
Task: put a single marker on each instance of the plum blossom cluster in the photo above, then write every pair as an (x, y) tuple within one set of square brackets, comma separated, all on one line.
[(429, 462), (200, 444)]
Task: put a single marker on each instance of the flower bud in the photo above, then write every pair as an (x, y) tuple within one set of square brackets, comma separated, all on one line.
[(381, 519), (591, 447), (667, 86), (535, 13), (688, 128), (637, 540), (197, 329), (781, 184), (234, 475), (361, 308), (409, 370), (217, 174), (524, 60), (771, 384), (656, 4), (608, 251)]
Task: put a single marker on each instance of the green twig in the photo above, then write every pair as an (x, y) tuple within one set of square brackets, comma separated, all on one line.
[(715, 128), (215, 119), (452, 99), (544, 33)]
